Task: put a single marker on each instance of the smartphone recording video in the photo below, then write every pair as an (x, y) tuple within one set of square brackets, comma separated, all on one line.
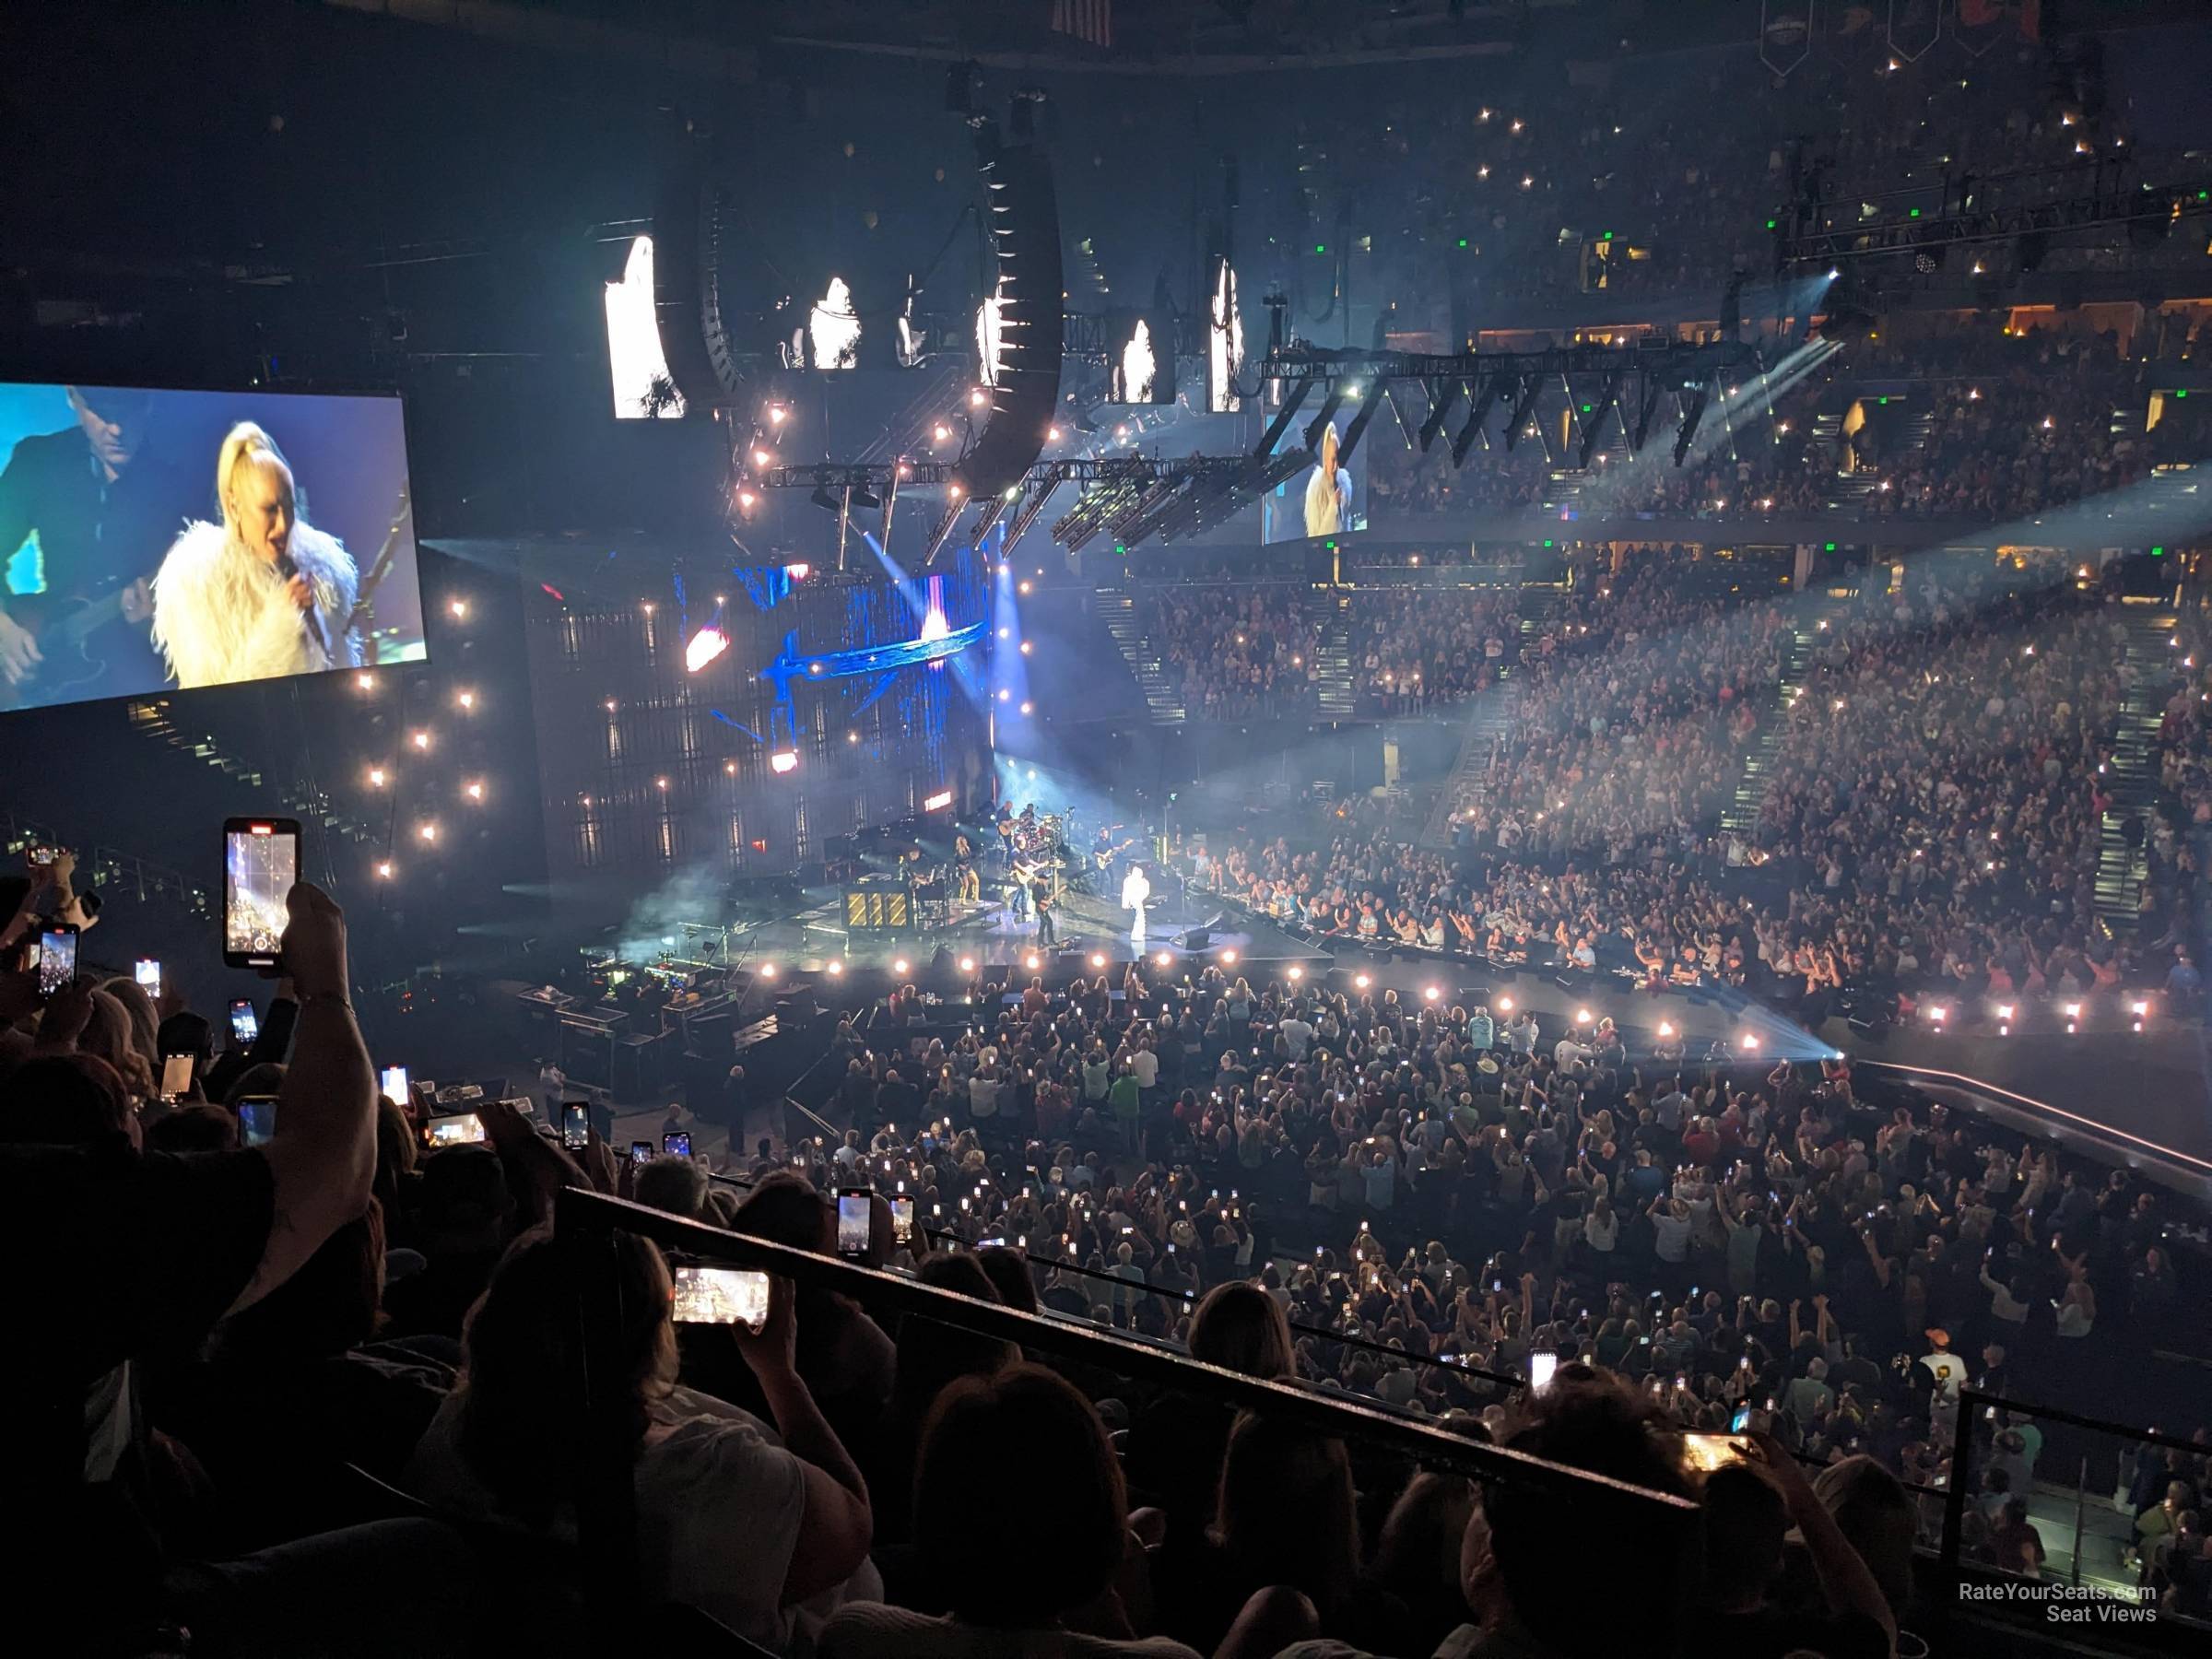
[(256, 1119), (903, 1218), (852, 1221), (640, 1154), (462, 1129), (57, 957), (575, 1124), (1710, 1452), (1541, 1368), (245, 1028), (1741, 1420), (722, 1296), (677, 1143), (394, 1085), (148, 974), (176, 1076), (261, 862)]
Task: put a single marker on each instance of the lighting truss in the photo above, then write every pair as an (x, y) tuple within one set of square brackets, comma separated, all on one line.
[(1606, 389), (2107, 210)]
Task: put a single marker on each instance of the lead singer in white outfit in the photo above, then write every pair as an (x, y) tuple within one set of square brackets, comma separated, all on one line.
[(1135, 890), (264, 592)]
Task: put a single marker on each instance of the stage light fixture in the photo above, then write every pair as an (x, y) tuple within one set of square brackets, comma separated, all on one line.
[(1360, 982), (1505, 1004), (767, 970), (1750, 1043), (1032, 962), (836, 968), (476, 791), (467, 700), (428, 832), (1229, 959), (783, 760), (1097, 959), (376, 777), (1666, 1030), (901, 965), (1165, 958), (383, 870), (967, 964), (367, 682), (1582, 1016), (1296, 973), (1433, 992), (422, 740), (706, 645)]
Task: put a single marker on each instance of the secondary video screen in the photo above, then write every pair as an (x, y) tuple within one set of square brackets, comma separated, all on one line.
[(1328, 497), (153, 540)]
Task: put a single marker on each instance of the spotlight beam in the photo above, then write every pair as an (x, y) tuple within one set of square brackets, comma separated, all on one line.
[(1358, 429), (1693, 411), (1281, 423), (1493, 388), (1594, 428), (1530, 386), (1440, 399), (1319, 424)]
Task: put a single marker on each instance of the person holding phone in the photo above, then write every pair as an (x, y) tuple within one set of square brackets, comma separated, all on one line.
[(172, 1245), (729, 1521)]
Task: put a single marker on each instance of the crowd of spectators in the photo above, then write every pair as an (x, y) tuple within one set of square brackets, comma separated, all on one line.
[(1928, 821), (1234, 653), (1395, 1204), (1961, 419)]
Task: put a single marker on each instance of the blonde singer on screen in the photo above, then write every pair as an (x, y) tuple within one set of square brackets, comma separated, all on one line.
[(1328, 491), (262, 593)]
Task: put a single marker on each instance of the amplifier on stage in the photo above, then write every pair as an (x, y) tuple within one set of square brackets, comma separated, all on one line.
[(878, 908)]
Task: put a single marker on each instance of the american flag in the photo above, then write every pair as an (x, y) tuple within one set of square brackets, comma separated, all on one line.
[(1090, 20)]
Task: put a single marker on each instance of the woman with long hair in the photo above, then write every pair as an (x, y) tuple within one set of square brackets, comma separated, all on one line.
[(263, 593), (729, 1520), (1326, 488)]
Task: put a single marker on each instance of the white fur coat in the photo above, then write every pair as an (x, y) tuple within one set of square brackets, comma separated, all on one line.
[(221, 615)]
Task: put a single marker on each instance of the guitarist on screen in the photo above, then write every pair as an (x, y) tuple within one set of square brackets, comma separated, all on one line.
[(85, 514)]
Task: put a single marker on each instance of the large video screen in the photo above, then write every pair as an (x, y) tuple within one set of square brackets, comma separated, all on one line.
[(152, 540), (1327, 499)]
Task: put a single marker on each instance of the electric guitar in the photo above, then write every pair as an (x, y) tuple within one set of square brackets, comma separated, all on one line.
[(1104, 856), (65, 662)]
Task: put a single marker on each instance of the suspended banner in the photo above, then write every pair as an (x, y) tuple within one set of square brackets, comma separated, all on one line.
[(1983, 24), (1786, 34), (1914, 27), (1847, 32)]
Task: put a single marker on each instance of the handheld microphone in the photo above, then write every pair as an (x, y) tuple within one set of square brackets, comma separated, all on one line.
[(309, 618)]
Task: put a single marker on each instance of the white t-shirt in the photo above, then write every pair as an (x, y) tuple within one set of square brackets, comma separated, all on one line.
[(1146, 1064), (1670, 1236), (1297, 1033), (1949, 1373), (719, 1504)]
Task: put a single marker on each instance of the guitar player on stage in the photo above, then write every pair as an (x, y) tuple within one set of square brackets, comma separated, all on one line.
[(85, 514)]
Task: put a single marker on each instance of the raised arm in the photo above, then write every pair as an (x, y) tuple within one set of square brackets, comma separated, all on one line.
[(324, 1149)]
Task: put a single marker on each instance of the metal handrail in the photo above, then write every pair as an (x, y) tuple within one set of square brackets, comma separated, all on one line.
[(607, 1520)]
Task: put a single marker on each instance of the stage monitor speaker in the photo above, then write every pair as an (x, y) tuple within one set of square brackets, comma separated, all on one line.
[(1194, 938)]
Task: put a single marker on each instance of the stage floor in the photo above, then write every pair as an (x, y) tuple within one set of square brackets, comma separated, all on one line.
[(1089, 926)]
